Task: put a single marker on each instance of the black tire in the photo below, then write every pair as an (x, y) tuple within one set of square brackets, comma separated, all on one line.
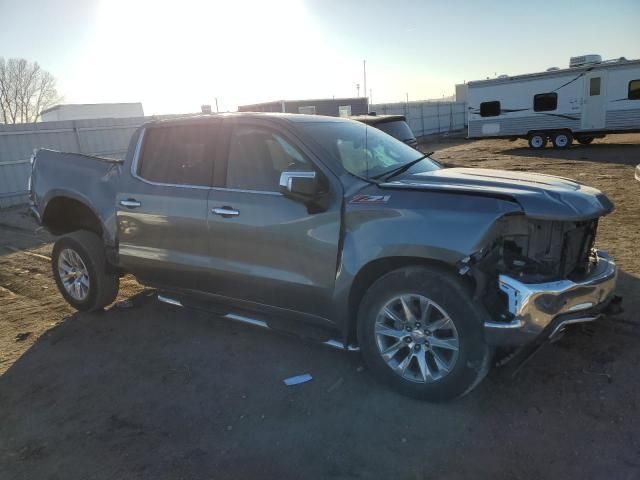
[(102, 285), (562, 140), (538, 141), (585, 140), (445, 290)]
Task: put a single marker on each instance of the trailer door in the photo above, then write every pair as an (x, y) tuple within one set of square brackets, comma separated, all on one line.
[(594, 101)]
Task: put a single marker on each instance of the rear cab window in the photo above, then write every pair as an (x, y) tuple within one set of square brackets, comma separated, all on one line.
[(178, 155)]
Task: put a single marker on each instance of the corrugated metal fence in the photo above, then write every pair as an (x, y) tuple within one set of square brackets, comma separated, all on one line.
[(108, 137), (427, 118)]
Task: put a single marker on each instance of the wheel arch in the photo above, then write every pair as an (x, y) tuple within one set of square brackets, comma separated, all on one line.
[(64, 213), (375, 269)]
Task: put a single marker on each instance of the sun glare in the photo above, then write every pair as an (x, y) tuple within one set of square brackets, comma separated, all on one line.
[(174, 56)]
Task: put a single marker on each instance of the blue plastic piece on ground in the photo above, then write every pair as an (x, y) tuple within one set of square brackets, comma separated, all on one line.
[(298, 379)]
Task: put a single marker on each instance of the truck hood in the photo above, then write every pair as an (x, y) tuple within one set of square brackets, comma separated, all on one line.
[(540, 196)]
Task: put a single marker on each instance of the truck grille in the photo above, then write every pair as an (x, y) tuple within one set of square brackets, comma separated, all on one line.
[(550, 250), (577, 246)]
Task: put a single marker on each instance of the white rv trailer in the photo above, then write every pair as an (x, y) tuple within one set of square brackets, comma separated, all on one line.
[(585, 101)]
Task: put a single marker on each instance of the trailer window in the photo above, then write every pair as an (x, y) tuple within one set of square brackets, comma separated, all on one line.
[(544, 102), (634, 90), (489, 109), (594, 86)]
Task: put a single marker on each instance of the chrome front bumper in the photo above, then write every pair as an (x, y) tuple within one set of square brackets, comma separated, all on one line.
[(546, 308)]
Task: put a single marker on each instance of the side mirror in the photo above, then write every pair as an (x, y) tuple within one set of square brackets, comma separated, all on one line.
[(299, 185)]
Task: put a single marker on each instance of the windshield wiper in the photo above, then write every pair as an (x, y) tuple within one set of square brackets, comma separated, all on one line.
[(403, 168), (364, 179)]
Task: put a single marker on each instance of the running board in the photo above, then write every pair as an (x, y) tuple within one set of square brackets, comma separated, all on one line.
[(260, 323)]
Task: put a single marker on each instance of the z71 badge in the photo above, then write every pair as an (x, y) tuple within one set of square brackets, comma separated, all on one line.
[(368, 199)]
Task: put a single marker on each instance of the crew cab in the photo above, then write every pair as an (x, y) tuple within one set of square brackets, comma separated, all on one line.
[(336, 231)]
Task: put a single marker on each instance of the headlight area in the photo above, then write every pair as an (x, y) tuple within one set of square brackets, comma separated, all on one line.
[(532, 251)]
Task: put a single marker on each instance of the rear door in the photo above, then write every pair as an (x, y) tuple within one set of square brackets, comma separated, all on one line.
[(162, 206), (594, 101), (266, 248)]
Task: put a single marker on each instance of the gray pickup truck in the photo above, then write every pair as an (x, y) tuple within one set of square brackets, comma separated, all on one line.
[(333, 230)]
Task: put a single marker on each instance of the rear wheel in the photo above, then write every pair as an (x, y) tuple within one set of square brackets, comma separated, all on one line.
[(80, 271), (420, 332), (537, 140), (562, 139), (585, 140)]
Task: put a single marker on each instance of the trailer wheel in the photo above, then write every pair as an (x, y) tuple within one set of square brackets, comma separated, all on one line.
[(537, 141), (562, 139), (585, 140)]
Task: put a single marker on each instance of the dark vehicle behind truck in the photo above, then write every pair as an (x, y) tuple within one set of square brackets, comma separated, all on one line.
[(394, 125), (329, 228)]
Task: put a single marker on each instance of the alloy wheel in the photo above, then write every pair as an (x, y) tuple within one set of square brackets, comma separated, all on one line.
[(74, 274), (416, 338)]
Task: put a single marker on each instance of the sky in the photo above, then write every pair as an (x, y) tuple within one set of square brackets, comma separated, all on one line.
[(174, 56)]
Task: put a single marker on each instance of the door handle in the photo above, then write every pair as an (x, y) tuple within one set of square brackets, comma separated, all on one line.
[(130, 203), (226, 211)]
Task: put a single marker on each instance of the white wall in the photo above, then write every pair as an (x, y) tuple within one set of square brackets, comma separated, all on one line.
[(95, 110), (462, 92), (426, 118)]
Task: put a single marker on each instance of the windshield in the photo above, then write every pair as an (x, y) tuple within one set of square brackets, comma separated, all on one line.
[(363, 150), (399, 129)]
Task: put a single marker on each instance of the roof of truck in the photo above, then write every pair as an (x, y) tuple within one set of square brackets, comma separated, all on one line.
[(204, 118)]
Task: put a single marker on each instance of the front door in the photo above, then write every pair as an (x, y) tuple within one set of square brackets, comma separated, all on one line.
[(267, 248), (594, 101), (162, 206)]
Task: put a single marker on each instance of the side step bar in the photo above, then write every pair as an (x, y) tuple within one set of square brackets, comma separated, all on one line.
[(259, 323)]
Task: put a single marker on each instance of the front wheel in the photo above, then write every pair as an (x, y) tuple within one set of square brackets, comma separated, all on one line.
[(420, 331), (80, 271)]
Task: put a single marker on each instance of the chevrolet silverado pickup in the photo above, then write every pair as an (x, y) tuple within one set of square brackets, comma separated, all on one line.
[(333, 230)]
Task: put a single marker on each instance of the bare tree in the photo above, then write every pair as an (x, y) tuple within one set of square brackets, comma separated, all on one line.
[(25, 90)]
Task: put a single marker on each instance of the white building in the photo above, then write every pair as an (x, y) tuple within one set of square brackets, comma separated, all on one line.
[(82, 111)]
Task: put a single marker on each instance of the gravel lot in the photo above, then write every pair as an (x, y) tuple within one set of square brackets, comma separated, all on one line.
[(155, 392)]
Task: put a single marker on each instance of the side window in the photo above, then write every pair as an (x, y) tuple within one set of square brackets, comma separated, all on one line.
[(177, 155), (594, 86), (257, 156), (634, 90), (489, 109), (544, 102)]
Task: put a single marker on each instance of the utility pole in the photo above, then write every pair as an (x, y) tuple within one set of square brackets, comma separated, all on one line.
[(217, 111), (358, 87), (364, 66), (407, 98), (370, 96)]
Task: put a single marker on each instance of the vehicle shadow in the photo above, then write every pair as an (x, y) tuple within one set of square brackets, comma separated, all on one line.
[(154, 391), (614, 153)]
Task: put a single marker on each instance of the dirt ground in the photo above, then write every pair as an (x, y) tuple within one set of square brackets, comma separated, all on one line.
[(154, 392)]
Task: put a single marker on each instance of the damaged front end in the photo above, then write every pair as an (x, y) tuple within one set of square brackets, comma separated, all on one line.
[(534, 277)]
